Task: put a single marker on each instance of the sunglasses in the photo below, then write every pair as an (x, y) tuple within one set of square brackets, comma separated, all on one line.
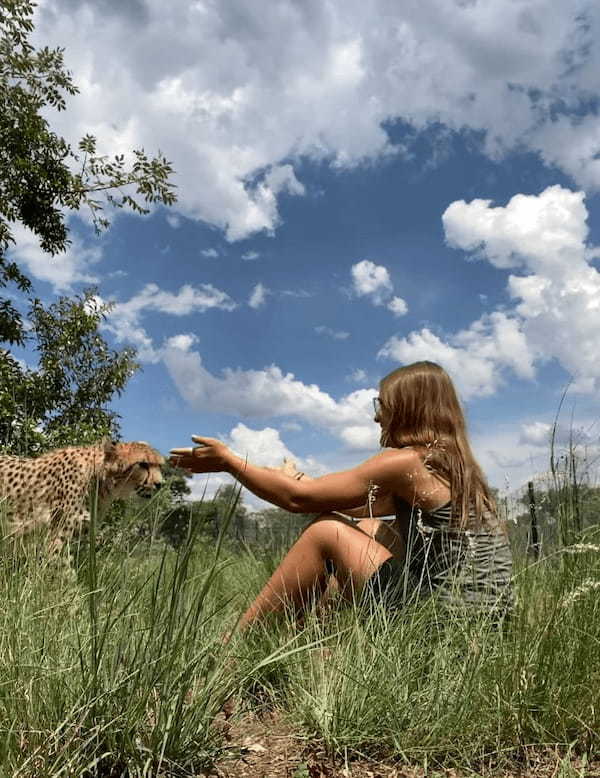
[(377, 405)]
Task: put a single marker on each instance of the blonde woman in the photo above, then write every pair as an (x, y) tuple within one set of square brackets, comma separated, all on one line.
[(444, 537)]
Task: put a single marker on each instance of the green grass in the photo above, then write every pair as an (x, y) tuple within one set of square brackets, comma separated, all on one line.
[(119, 668)]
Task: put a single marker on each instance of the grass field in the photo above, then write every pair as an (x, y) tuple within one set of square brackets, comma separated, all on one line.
[(119, 668)]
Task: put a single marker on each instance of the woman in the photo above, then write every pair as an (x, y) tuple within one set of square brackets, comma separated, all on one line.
[(445, 538)]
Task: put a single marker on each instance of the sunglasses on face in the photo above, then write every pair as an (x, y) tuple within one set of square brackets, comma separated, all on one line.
[(377, 405)]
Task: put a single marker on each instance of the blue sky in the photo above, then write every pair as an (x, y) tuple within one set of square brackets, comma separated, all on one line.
[(360, 185)]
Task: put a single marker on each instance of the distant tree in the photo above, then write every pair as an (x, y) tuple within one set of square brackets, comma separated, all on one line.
[(275, 528), (176, 481), (562, 513), (63, 399), (224, 513)]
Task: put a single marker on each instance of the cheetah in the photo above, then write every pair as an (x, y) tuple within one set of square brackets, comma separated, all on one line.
[(52, 491)]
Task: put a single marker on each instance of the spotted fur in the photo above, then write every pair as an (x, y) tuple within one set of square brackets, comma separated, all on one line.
[(53, 491)]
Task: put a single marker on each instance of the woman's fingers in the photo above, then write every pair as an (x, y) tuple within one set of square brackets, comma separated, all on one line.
[(205, 456)]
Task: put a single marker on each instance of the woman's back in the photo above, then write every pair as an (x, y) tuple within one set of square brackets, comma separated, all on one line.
[(470, 566)]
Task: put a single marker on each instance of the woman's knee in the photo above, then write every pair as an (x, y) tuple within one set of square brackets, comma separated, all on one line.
[(327, 531)]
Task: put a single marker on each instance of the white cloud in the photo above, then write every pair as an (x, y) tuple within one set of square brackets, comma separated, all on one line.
[(258, 297), (174, 221), (282, 178), (268, 393), (188, 300), (371, 280), (540, 233), (397, 306), (555, 292), (507, 461), (250, 255), (205, 487), (183, 341), (62, 270), (575, 436), (210, 253), (374, 282), (321, 329), (124, 321), (536, 433), (474, 357), (261, 447), (235, 97)]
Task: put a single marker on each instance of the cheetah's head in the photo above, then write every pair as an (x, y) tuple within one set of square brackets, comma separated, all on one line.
[(132, 467)]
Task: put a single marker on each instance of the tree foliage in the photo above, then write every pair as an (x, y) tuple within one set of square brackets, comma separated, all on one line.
[(224, 513), (42, 179), (562, 513), (63, 400), (41, 176)]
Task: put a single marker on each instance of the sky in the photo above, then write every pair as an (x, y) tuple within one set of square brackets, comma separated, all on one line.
[(361, 185)]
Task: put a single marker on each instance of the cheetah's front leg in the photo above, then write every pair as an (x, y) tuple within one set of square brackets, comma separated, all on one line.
[(65, 526)]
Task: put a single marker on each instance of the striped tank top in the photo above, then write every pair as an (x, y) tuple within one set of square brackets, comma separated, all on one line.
[(461, 567)]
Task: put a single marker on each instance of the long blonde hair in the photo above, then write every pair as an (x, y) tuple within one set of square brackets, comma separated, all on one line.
[(423, 409)]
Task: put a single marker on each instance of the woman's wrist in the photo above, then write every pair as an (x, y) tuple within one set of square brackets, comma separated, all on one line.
[(233, 464)]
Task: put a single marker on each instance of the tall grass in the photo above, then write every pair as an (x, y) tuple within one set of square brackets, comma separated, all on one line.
[(464, 691), (118, 671), (116, 666)]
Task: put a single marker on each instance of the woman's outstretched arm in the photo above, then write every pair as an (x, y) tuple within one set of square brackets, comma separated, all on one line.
[(393, 471)]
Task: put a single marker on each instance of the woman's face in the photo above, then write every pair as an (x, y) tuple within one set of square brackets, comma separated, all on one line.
[(382, 414)]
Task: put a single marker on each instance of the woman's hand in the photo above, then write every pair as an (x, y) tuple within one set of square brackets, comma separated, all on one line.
[(208, 456)]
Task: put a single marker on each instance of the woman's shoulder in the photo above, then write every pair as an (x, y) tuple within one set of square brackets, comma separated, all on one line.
[(408, 477), (405, 456), (399, 466)]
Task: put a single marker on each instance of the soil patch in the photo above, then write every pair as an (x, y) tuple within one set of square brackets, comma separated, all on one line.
[(265, 746)]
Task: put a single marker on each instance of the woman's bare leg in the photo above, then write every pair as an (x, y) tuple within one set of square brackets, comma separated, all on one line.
[(302, 572)]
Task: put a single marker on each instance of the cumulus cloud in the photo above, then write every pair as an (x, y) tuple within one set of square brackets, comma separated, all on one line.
[(62, 271), (210, 253), (398, 306), (250, 255), (555, 292), (475, 357), (269, 393), (124, 321), (236, 96), (265, 447), (541, 433), (258, 297), (373, 281), (536, 433), (262, 447), (540, 233), (187, 300)]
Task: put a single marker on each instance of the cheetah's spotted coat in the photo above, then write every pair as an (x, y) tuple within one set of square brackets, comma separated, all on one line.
[(53, 490)]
